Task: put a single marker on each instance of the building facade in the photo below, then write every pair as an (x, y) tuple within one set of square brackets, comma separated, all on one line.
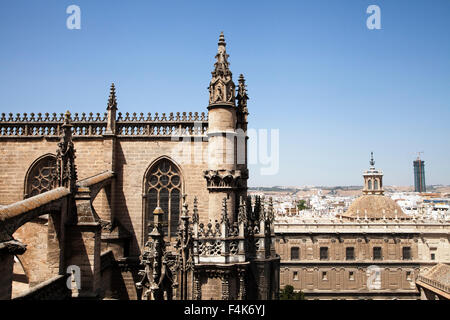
[(175, 182), (372, 251)]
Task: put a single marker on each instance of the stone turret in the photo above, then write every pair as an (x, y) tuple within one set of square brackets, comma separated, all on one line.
[(222, 175)]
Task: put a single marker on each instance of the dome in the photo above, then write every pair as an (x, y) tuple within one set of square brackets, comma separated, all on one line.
[(373, 206)]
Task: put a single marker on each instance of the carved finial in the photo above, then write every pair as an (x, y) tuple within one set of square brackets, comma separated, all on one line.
[(242, 96), (185, 207), (195, 211), (271, 215), (224, 217), (112, 101), (242, 217)]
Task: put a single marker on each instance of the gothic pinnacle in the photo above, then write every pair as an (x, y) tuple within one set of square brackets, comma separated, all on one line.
[(112, 101), (241, 95), (221, 87)]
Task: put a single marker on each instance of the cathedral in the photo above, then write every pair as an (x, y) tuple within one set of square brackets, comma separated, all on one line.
[(135, 206)]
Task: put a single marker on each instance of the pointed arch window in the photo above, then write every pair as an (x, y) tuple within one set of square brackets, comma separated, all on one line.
[(376, 184), (163, 189), (41, 176), (370, 184)]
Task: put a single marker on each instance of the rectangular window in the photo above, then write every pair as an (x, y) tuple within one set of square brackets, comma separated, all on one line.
[(406, 253), (324, 275), (351, 275), (433, 256), (377, 254), (295, 253), (350, 253), (295, 275), (408, 275), (323, 253)]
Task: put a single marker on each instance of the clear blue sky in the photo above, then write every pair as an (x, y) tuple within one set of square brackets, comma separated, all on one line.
[(335, 89)]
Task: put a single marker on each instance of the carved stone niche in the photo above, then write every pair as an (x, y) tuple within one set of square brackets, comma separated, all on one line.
[(222, 179)]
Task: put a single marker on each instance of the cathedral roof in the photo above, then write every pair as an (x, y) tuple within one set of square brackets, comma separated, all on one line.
[(375, 207)]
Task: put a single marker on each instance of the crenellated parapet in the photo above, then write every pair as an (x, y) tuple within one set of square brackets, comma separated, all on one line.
[(172, 124), (95, 125)]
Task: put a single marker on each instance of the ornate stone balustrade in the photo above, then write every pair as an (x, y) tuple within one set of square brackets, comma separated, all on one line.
[(434, 283), (224, 242), (46, 125), (172, 125), (90, 125)]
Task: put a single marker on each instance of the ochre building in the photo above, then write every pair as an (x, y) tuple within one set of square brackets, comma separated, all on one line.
[(372, 251)]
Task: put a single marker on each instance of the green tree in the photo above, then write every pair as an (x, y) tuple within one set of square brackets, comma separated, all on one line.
[(288, 293), (301, 205)]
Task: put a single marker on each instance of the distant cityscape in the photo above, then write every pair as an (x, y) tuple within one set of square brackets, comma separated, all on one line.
[(328, 201)]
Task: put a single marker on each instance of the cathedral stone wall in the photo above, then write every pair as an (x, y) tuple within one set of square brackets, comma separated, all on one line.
[(133, 159), (19, 154)]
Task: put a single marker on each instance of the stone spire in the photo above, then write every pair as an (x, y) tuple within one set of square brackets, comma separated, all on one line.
[(221, 87), (112, 101)]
